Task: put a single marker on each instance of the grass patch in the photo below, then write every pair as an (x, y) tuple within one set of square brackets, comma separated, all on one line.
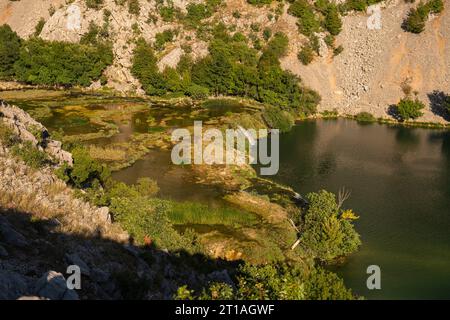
[(31, 155), (196, 213)]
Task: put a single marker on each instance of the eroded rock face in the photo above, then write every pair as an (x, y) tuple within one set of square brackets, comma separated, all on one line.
[(28, 129)]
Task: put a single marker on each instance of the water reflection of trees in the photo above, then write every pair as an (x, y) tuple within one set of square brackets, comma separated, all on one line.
[(444, 138)]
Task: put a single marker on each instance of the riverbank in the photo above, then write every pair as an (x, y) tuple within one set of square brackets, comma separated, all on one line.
[(389, 121)]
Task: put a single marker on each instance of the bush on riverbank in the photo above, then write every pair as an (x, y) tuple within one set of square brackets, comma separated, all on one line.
[(408, 108), (327, 233), (278, 119), (365, 117)]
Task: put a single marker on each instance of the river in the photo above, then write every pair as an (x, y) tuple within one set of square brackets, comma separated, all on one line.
[(400, 183), (399, 180)]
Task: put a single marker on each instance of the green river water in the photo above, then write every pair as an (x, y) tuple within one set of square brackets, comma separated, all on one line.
[(400, 183)]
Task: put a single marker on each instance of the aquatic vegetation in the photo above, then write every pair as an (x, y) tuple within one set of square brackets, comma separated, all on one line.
[(365, 117), (196, 213)]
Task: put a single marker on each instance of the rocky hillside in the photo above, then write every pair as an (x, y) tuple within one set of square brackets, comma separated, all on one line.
[(369, 73), (367, 76)]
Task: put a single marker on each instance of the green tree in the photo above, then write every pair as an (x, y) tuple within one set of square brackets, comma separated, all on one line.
[(408, 108), (274, 282), (9, 51), (144, 68), (327, 231), (325, 285)]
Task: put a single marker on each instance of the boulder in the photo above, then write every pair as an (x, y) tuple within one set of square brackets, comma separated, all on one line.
[(10, 235), (75, 259), (52, 285), (28, 129), (12, 285)]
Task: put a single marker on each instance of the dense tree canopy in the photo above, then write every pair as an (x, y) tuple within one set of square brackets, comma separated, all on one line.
[(231, 68), (60, 63), (9, 51)]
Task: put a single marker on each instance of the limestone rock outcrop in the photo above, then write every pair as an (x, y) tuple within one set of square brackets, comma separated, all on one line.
[(28, 129)]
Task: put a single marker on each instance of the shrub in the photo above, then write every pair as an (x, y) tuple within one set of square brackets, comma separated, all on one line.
[(417, 17), (134, 7), (39, 27), (357, 5), (167, 13), (307, 20), (275, 282), (196, 13), (278, 119), (333, 21), (365, 117), (325, 285), (197, 92), (259, 2), (31, 155), (414, 22), (9, 51), (409, 109), (338, 50), (267, 33), (329, 40), (306, 55), (7, 136), (435, 6), (94, 4), (270, 282), (162, 38), (86, 172), (148, 219)]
